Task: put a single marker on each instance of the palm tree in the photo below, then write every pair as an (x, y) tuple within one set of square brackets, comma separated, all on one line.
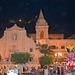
[(45, 49)]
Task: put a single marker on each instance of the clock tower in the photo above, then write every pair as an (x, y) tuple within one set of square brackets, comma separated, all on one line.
[(41, 30)]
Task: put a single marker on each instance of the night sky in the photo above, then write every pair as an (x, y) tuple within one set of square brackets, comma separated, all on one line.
[(59, 14)]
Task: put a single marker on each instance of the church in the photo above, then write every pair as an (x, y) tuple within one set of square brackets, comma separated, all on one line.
[(15, 39)]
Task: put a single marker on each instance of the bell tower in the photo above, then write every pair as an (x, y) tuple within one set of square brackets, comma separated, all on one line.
[(41, 30)]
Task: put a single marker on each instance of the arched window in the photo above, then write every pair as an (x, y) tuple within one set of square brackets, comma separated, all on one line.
[(53, 47), (42, 35)]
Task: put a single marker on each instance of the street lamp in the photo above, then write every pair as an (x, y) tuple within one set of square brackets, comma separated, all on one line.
[(57, 55)]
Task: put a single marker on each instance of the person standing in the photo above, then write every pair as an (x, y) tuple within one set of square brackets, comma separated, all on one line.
[(38, 71), (46, 71), (49, 69), (54, 70), (24, 69), (35, 71), (58, 70), (4, 70), (11, 72), (74, 71), (16, 70), (32, 71), (62, 70), (20, 68)]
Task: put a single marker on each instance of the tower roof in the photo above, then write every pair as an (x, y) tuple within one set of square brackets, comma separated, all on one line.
[(41, 21), (41, 15)]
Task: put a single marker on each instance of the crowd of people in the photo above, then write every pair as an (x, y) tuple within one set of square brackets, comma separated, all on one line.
[(35, 71), (55, 69), (15, 70), (10, 71), (59, 70)]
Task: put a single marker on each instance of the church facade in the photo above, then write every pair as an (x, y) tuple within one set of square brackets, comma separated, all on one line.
[(15, 39)]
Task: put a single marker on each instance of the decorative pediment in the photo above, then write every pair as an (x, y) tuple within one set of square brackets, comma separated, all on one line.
[(15, 27)]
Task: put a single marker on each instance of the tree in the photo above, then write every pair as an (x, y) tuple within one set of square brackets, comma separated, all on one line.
[(45, 49), (46, 60), (20, 57)]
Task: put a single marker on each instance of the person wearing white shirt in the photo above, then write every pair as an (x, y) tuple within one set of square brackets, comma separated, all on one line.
[(11, 72), (46, 71)]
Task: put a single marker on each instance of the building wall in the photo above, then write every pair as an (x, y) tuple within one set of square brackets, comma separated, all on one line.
[(56, 36), (56, 41), (60, 45), (16, 40)]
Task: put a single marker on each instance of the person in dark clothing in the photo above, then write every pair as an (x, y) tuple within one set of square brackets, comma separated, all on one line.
[(58, 70), (23, 69), (4, 70), (5, 74)]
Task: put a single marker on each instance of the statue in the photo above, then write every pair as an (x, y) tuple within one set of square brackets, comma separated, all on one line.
[(14, 37)]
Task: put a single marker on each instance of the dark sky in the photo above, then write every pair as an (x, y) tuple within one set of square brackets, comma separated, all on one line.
[(60, 15)]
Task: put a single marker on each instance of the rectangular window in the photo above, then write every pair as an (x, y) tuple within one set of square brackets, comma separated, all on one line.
[(62, 47), (31, 58), (31, 50)]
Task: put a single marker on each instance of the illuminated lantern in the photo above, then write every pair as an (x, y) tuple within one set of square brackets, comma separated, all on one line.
[(20, 20)]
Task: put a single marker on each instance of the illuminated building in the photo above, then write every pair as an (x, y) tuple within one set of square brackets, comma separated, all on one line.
[(15, 39)]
